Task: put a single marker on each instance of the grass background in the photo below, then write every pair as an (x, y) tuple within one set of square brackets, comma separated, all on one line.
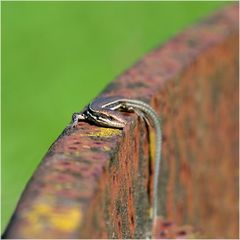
[(57, 56)]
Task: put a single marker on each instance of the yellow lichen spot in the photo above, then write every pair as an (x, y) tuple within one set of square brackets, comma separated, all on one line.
[(42, 214), (152, 145), (105, 132), (38, 212), (66, 220)]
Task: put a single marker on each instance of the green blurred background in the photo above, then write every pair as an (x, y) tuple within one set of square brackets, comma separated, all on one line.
[(57, 56)]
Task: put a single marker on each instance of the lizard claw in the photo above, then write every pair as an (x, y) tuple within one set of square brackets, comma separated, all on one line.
[(76, 117)]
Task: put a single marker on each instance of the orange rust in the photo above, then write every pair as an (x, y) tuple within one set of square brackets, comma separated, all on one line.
[(165, 229), (210, 170)]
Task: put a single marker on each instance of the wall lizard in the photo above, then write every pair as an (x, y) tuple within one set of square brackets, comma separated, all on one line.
[(105, 111)]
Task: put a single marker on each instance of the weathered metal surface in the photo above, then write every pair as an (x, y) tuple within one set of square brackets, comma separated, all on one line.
[(96, 182), (169, 230)]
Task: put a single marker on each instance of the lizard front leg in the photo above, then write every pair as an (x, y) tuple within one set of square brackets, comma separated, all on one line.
[(76, 117)]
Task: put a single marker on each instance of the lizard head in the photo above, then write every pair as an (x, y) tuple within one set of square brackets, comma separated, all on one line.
[(107, 118)]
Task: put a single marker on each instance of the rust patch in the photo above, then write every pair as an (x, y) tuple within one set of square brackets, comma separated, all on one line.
[(164, 229)]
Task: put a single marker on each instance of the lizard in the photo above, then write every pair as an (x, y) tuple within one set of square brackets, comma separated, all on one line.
[(105, 111)]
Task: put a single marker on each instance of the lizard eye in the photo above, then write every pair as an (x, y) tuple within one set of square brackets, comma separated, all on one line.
[(99, 118), (111, 118)]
